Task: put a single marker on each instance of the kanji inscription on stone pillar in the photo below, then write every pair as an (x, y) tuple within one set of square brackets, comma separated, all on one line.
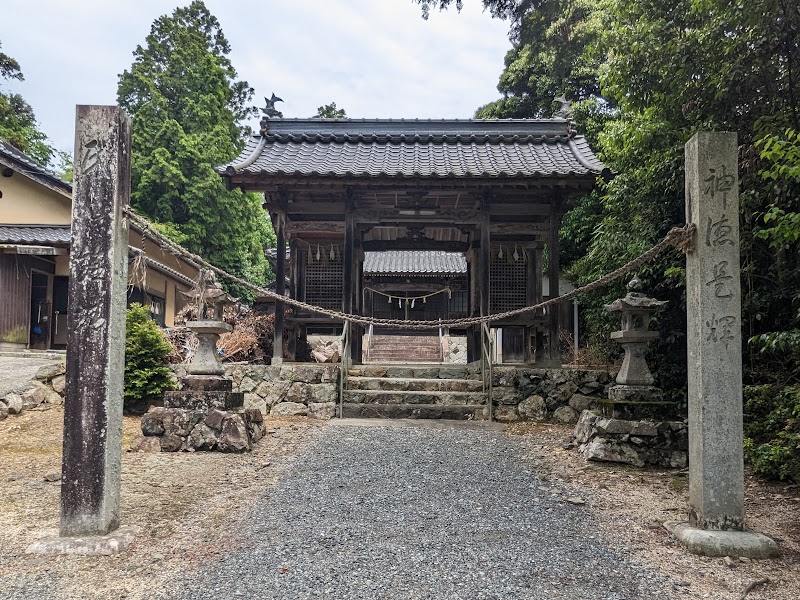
[(90, 483), (714, 319)]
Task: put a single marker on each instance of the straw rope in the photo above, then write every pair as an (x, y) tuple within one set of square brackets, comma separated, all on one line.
[(678, 237)]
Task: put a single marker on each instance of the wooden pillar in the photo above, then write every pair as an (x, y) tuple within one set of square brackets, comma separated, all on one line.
[(532, 296), (485, 258), (279, 224), (349, 267), (553, 269), (291, 350), (91, 464)]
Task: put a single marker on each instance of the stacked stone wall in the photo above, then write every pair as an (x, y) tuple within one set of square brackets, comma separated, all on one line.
[(302, 389), (528, 394)]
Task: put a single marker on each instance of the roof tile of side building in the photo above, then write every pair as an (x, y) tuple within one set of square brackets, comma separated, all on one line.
[(50, 235), (416, 148), (18, 161)]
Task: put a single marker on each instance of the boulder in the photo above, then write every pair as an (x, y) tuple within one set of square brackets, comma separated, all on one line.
[(202, 437), (14, 403), (273, 391), (585, 427), (171, 442), (324, 393), (580, 402), (54, 398), (561, 395), (300, 393), (607, 451), (247, 385), (214, 419), (565, 414), (3, 411), (35, 395), (153, 421), (533, 408), (145, 443), (322, 410), (289, 409), (58, 384), (48, 372), (255, 402), (506, 414), (234, 436)]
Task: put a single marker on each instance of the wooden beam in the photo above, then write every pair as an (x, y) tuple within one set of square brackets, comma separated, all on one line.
[(519, 228), (293, 227), (400, 216), (379, 245)]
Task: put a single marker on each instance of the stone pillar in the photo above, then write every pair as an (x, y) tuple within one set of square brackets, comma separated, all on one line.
[(713, 304), (90, 482)]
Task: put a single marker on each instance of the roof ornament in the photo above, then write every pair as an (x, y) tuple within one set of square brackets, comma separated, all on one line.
[(269, 110), (565, 112)]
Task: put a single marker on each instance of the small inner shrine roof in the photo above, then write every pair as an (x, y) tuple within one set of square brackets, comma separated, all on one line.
[(386, 148)]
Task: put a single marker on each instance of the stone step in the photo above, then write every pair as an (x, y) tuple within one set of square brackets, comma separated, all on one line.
[(415, 398), (416, 371), (414, 384), (40, 354), (414, 411)]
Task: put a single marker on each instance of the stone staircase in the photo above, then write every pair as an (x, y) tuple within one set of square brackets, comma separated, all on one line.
[(414, 392), (385, 349)]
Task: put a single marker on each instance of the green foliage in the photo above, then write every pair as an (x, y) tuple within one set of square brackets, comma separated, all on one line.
[(147, 376), (18, 125), (772, 430), (187, 105), (330, 111)]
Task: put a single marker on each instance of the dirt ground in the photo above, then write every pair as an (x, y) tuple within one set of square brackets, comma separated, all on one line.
[(185, 504)]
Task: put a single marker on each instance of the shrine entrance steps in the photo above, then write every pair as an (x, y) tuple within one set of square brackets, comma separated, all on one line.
[(402, 348), (415, 391)]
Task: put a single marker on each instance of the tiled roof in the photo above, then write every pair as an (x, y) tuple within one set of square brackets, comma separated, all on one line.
[(414, 262), (390, 148), (50, 235), (22, 163)]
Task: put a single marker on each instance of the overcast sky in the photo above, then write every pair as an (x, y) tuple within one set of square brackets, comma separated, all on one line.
[(374, 58)]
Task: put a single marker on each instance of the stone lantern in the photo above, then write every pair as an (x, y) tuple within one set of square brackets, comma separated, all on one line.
[(208, 326), (634, 395), (636, 310)]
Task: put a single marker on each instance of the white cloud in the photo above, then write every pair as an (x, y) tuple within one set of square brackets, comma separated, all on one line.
[(375, 58)]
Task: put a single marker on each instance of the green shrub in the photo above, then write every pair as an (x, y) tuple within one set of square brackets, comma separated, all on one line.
[(772, 430), (147, 376)]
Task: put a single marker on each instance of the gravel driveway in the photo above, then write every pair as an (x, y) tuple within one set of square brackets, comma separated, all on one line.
[(420, 510), (16, 373)]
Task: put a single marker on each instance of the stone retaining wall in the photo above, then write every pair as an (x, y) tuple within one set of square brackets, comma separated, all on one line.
[(310, 389), (528, 394), (47, 386)]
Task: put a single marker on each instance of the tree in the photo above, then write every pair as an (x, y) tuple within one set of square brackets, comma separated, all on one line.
[(18, 125), (329, 111), (147, 375), (188, 107)]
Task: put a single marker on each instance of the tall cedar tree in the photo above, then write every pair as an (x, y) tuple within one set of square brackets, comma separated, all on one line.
[(188, 107), (18, 125)]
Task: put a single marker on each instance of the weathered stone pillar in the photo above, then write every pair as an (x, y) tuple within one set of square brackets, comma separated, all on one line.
[(90, 483), (713, 304)]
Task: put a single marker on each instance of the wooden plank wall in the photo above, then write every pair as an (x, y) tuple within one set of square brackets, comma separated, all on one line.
[(15, 298)]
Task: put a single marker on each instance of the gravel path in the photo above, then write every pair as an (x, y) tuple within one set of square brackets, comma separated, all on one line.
[(16, 373), (389, 510)]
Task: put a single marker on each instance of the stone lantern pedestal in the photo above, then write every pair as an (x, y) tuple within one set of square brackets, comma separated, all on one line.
[(205, 414)]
